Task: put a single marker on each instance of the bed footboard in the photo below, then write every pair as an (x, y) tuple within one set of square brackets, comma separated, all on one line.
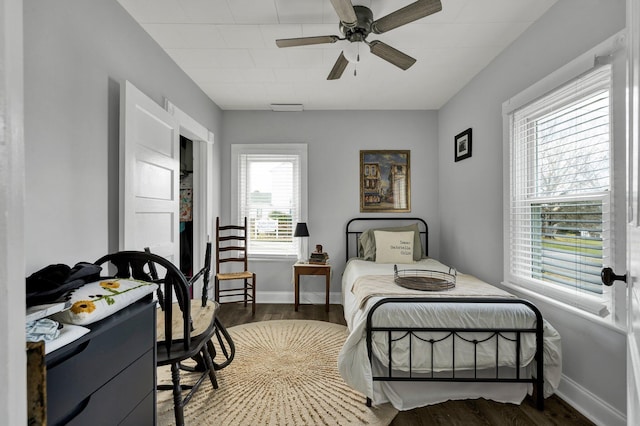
[(512, 334)]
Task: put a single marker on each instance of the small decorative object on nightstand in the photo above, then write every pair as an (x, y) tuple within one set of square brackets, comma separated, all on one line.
[(311, 269)]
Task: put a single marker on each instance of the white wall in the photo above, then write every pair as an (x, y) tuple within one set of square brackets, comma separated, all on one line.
[(334, 140), (471, 203), (76, 55)]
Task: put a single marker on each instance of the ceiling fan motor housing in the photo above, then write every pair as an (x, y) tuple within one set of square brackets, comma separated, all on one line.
[(362, 28)]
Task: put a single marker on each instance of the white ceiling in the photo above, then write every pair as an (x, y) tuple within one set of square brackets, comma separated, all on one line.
[(228, 48)]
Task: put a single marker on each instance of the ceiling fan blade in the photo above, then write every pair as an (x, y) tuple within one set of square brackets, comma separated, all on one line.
[(305, 41), (410, 13), (338, 67), (345, 12), (389, 54)]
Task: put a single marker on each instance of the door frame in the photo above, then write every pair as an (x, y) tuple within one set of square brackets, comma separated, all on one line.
[(633, 203), (13, 360), (203, 140)]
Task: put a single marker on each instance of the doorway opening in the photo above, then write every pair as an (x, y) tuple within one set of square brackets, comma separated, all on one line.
[(196, 178), (187, 198)]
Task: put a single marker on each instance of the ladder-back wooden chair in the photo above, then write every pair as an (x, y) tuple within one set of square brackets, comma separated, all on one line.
[(231, 251)]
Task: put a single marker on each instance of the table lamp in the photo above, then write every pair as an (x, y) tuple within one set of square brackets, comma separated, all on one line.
[(303, 232)]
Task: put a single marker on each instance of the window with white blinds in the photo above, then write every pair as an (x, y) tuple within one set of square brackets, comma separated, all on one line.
[(269, 189), (560, 187)]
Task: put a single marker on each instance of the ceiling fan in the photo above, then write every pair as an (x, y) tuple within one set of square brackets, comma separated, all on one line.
[(356, 23)]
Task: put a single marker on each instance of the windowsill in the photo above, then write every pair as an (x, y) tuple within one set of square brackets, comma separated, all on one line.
[(268, 258), (565, 307)]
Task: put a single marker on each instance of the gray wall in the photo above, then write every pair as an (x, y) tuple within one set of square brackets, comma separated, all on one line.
[(334, 140), (76, 55), (471, 201)]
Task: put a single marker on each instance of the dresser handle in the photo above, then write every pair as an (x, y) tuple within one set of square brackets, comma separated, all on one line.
[(78, 349), (77, 410)]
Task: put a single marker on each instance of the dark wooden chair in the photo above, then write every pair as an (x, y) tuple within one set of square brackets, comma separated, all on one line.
[(185, 327), (231, 251)]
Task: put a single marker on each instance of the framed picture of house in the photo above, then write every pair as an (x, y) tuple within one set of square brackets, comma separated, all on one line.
[(385, 181), (462, 145)]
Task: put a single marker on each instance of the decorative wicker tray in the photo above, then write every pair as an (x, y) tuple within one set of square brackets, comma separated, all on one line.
[(424, 279)]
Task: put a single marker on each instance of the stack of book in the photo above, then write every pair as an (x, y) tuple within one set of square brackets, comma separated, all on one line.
[(319, 258)]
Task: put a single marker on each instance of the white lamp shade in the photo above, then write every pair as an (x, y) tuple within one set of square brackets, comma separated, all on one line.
[(355, 51)]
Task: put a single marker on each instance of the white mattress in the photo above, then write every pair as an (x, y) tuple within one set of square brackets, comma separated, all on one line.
[(353, 362)]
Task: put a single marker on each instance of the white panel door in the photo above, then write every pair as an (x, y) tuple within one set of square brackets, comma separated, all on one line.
[(149, 175), (633, 227)]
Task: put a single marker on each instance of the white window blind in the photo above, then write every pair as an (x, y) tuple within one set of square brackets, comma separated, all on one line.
[(560, 187), (270, 196)]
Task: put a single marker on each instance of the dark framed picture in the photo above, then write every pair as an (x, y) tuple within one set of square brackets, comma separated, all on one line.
[(385, 181), (462, 145)]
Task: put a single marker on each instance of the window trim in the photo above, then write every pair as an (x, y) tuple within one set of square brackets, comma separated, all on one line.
[(299, 149), (596, 306)]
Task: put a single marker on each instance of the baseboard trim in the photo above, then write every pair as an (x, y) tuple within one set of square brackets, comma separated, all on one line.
[(305, 297), (590, 405)]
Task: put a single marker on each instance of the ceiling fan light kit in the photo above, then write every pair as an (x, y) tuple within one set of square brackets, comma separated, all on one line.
[(353, 51), (356, 23)]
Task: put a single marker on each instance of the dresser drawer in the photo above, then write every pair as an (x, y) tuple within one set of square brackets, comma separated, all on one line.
[(117, 399), (144, 414), (81, 368)]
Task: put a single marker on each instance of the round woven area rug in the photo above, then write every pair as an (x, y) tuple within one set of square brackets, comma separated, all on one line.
[(284, 373)]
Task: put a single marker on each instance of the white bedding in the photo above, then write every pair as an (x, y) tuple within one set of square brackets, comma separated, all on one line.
[(353, 361)]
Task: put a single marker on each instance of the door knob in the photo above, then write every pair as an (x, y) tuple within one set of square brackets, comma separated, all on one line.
[(608, 276)]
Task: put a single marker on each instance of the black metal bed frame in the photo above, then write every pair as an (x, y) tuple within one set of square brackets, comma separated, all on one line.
[(353, 232)]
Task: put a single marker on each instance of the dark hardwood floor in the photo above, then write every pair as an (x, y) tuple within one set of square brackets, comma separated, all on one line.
[(467, 412)]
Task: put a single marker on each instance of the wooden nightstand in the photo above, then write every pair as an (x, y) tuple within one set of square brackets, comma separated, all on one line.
[(311, 269)]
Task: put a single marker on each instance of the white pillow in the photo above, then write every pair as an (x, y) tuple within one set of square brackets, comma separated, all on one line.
[(394, 247), (97, 300)]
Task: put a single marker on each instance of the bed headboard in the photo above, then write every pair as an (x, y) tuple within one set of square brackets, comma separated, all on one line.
[(356, 226)]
